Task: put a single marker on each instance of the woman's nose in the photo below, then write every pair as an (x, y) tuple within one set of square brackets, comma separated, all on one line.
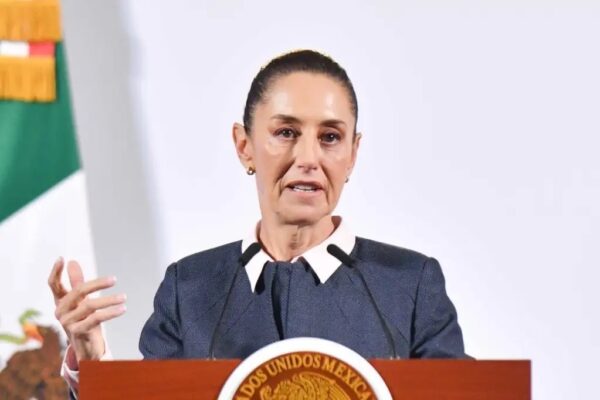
[(307, 151)]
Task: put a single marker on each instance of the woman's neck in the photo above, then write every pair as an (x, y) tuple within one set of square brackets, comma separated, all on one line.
[(284, 242)]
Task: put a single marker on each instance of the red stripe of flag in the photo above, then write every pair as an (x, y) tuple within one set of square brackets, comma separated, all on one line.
[(41, 49)]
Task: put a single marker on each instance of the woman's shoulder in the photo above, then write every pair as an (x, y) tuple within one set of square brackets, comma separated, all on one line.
[(368, 250), (223, 255)]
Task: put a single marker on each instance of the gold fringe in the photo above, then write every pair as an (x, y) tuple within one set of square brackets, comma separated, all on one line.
[(28, 79), (30, 20)]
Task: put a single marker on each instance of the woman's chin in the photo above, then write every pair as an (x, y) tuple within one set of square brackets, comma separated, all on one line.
[(303, 217)]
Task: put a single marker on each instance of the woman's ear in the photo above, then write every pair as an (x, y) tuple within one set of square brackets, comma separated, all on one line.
[(355, 146), (243, 146)]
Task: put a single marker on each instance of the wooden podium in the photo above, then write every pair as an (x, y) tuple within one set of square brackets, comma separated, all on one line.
[(406, 379)]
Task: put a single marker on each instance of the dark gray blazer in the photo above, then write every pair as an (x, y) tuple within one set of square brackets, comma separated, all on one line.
[(407, 286)]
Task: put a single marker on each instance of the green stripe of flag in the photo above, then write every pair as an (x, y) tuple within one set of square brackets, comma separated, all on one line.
[(38, 147)]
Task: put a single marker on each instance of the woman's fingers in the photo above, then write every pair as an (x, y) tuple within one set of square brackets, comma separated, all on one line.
[(75, 273), (58, 290), (72, 298), (89, 306), (80, 315), (84, 326)]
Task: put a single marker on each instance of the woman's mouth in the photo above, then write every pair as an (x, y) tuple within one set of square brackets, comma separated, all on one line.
[(304, 188)]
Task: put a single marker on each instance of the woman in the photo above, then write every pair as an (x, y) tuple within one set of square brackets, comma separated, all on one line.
[(299, 140)]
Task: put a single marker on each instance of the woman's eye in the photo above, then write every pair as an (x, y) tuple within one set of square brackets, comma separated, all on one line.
[(287, 133), (330, 137)]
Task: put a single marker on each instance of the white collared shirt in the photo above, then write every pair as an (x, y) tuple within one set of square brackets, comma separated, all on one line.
[(321, 262)]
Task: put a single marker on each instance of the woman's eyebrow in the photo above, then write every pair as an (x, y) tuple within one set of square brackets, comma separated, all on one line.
[(290, 119), (333, 123), (286, 118)]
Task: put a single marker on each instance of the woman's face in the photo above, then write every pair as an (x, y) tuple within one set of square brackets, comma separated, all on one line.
[(302, 146)]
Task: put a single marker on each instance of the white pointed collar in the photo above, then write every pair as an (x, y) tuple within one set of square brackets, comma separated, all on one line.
[(321, 262)]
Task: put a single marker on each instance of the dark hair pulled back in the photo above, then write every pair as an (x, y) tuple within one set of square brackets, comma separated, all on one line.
[(296, 61)]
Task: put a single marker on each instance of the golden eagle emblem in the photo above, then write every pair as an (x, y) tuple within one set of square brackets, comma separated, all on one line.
[(305, 386)]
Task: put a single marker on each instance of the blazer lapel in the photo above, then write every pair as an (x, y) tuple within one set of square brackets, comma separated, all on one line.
[(361, 328), (248, 322), (392, 293)]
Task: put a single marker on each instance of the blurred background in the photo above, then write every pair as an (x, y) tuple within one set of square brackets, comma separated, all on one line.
[(481, 125)]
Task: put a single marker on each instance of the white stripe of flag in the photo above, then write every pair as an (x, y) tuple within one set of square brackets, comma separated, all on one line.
[(14, 49)]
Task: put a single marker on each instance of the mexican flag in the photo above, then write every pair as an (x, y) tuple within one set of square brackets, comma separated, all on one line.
[(43, 205)]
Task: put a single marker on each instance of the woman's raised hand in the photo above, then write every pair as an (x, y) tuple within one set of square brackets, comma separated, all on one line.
[(81, 315)]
